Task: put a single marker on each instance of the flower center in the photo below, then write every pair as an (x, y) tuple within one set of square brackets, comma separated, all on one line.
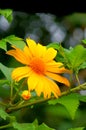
[(37, 65)]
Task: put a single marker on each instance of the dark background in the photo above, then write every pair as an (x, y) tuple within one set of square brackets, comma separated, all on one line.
[(57, 7)]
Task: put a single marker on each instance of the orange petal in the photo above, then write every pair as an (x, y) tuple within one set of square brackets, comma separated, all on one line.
[(55, 88), (32, 81), (21, 72), (40, 86), (56, 67), (58, 70), (27, 52), (32, 45), (53, 63), (47, 87), (19, 55), (58, 78), (50, 54), (40, 50)]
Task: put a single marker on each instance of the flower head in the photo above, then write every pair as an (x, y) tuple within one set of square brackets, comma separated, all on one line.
[(41, 70)]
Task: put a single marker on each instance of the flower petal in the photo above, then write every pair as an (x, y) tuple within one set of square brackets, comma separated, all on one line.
[(18, 55), (58, 70), (50, 54), (40, 86), (58, 78), (53, 63), (32, 45), (21, 72), (56, 67), (27, 52), (47, 87), (51, 87), (55, 89), (40, 50), (32, 81)]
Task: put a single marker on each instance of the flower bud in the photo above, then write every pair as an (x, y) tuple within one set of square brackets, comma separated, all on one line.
[(26, 95)]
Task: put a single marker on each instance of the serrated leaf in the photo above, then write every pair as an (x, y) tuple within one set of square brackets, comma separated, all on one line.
[(76, 56), (35, 122), (23, 126), (7, 13), (44, 127), (6, 71), (62, 56), (79, 128), (70, 102), (3, 114)]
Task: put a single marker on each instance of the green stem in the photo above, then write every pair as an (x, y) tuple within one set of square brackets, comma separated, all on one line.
[(26, 104), (71, 78), (17, 93), (77, 78), (11, 92), (78, 88), (6, 126), (3, 104)]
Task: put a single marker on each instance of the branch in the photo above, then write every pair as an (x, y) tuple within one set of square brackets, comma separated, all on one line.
[(25, 104), (6, 126)]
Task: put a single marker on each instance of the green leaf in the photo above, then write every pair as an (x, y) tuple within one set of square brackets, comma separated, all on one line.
[(72, 57), (82, 66), (4, 88), (35, 122), (44, 127), (13, 40), (62, 56), (3, 44), (82, 98), (76, 57), (3, 114), (23, 126), (7, 13), (30, 126), (76, 19), (6, 71), (84, 41), (79, 128), (70, 102), (54, 45)]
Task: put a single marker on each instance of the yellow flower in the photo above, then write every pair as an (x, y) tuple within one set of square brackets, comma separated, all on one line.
[(41, 70), (26, 95)]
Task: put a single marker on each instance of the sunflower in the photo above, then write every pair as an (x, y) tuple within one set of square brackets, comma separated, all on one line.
[(40, 68)]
